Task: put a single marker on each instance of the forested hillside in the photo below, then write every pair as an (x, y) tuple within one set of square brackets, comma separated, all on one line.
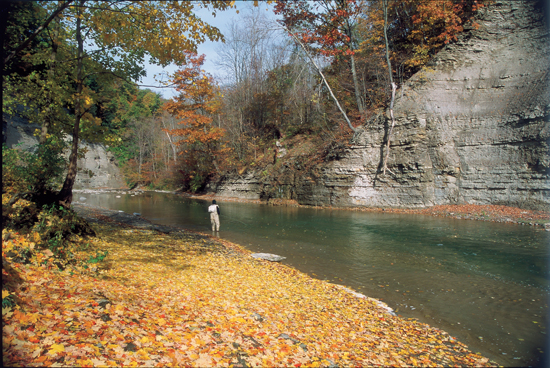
[(308, 80)]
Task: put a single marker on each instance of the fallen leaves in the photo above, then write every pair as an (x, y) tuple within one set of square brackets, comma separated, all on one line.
[(186, 300), (56, 348)]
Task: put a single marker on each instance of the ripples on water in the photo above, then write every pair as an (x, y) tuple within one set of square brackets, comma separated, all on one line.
[(485, 283)]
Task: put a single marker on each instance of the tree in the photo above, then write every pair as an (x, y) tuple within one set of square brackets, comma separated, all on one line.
[(252, 47), (196, 103), (20, 29), (393, 85), (122, 33), (418, 29), (325, 81), (328, 27)]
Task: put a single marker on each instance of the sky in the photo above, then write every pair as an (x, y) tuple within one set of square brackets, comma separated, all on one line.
[(222, 21)]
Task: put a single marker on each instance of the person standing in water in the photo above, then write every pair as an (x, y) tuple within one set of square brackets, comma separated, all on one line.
[(214, 211)]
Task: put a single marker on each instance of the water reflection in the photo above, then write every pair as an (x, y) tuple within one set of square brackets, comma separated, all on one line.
[(485, 283)]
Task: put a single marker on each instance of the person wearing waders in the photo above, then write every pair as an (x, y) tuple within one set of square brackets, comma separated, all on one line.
[(214, 211)]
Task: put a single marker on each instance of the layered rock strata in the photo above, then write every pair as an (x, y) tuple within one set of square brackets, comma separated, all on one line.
[(472, 127)]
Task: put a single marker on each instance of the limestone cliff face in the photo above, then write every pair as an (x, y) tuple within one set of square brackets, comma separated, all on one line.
[(473, 127), (106, 174), (101, 163)]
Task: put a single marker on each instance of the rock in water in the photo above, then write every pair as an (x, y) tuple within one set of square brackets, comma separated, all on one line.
[(268, 257), (137, 214)]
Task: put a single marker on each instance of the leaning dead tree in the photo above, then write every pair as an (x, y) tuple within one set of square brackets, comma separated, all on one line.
[(393, 86), (322, 77)]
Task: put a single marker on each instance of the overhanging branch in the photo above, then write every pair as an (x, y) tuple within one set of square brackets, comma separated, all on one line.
[(25, 43)]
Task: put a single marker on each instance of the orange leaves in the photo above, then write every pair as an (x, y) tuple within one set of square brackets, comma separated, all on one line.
[(196, 105), (196, 102), (436, 23), (325, 26), (182, 300), (418, 29)]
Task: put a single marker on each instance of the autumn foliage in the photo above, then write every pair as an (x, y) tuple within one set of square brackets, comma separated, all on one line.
[(417, 29), (324, 25), (199, 139), (272, 92), (182, 299)]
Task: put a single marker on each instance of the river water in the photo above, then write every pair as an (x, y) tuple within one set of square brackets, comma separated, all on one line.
[(485, 283)]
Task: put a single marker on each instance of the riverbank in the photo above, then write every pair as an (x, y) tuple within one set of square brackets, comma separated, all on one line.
[(493, 213), (170, 297)]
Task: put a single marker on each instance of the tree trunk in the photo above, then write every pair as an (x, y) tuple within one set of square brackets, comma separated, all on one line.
[(360, 103), (393, 86), (385, 166), (172, 145), (65, 196), (51, 75), (140, 160)]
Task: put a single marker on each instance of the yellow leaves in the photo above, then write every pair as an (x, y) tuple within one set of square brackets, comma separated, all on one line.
[(87, 102), (239, 320), (5, 294), (56, 348), (119, 309), (143, 354), (36, 237), (7, 312), (204, 310)]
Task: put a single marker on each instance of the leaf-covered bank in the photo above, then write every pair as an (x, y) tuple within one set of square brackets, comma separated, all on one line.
[(184, 299)]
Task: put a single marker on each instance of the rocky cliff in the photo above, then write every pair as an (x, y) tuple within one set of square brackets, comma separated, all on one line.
[(106, 174), (472, 127)]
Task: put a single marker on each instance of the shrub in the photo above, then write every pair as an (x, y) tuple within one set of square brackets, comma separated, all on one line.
[(37, 171)]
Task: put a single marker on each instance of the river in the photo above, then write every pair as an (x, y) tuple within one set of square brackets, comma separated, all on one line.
[(485, 283)]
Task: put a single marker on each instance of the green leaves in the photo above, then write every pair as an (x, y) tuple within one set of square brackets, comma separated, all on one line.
[(33, 171)]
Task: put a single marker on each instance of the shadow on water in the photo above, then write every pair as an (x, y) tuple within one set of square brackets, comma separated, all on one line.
[(485, 283)]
